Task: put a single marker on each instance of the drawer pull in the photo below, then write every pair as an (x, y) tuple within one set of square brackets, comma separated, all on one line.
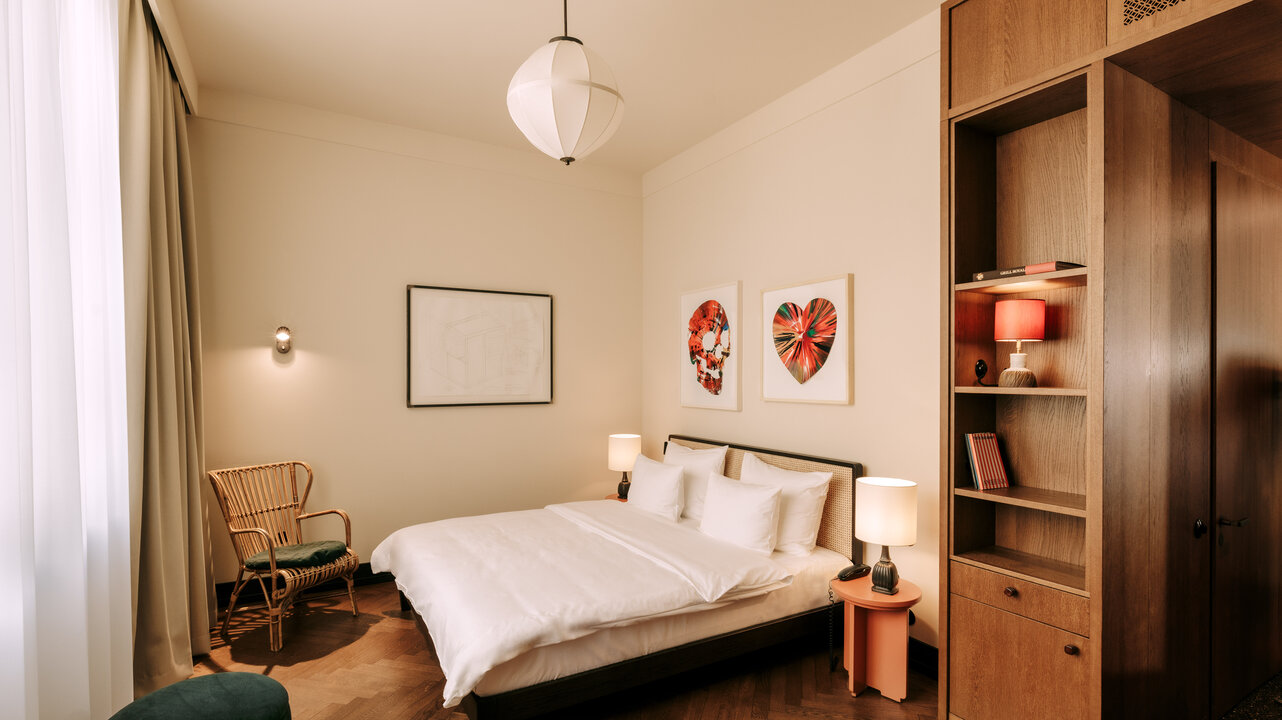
[(1070, 650), (1010, 592)]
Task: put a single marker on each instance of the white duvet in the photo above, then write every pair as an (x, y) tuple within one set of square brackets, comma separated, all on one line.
[(491, 587)]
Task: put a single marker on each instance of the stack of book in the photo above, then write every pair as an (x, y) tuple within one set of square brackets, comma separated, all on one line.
[(986, 461), (1044, 267)]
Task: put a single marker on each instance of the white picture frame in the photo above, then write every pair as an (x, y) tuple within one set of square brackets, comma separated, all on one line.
[(711, 347), (788, 365), (477, 347)]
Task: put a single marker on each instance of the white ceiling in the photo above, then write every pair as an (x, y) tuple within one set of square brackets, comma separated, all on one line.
[(686, 68)]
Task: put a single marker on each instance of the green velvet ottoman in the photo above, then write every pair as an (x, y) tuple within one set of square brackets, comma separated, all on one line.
[(221, 696)]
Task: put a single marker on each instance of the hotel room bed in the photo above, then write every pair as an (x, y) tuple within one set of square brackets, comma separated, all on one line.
[(552, 663)]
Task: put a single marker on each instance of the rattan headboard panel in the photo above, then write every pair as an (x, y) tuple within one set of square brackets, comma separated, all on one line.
[(836, 529)]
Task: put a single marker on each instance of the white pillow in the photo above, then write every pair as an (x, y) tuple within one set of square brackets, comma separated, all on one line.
[(801, 506), (697, 464), (656, 488), (746, 515)]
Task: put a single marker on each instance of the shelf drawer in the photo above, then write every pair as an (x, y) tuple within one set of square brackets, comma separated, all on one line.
[(1037, 602), (1006, 667)]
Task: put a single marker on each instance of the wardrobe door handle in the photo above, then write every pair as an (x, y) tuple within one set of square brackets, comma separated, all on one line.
[(1199, 528), (1071, 650), (1010, 592)]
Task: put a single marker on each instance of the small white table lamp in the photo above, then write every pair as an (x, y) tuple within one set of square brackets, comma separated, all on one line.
[(886, 514), (624, 448)]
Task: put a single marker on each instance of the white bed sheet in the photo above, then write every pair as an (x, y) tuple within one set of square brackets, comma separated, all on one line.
[(491, 587), (808, 590)]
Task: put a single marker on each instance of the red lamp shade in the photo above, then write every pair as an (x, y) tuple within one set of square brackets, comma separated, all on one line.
[(1020, 320)]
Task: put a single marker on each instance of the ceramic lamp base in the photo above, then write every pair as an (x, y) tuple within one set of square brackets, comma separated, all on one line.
[(1017, 375), (624, 484), (885, 576)]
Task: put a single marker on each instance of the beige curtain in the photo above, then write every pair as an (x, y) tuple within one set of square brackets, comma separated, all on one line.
[(174, 601)]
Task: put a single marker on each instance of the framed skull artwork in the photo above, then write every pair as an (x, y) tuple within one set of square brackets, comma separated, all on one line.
[(806, 342), (710, 348)]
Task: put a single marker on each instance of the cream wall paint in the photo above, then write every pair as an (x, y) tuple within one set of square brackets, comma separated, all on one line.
[(318, 221), (840, 176)]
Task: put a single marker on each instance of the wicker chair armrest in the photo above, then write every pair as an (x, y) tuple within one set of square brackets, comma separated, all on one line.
[(347, 522), (271, 546)]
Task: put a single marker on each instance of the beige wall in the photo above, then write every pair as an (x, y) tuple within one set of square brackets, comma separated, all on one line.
[(840, 176), (318, 221)]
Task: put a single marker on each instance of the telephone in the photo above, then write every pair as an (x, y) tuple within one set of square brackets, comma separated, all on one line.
[(854, 571)]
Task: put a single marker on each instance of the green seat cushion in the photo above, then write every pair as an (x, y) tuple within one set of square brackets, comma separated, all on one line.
[(221, 696), (301, 555)]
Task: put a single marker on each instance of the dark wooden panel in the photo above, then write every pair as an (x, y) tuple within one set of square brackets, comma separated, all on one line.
[(994, 44), (973, 340), (1156, 453), (972, 414), (1041, 192), (974, 200), (1228, 68), (1247, 597), (1231, 148), (974, 523), (1006, 667)]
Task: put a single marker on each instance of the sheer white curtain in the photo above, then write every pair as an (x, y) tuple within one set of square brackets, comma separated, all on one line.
[(65, 619)]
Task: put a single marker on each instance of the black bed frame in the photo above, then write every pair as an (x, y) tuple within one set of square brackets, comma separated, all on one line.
[(547, 697)]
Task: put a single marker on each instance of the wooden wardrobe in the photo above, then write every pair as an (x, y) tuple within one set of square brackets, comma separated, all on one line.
[(1133, 568)]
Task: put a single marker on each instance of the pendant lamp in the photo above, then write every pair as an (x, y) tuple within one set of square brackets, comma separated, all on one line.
[(564, 98)]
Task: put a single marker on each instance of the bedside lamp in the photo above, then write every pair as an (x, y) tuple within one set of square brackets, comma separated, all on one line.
[(886, 514), (624, 449), (1019, 321)]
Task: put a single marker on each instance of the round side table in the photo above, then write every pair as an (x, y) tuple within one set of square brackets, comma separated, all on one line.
[(876, 642)]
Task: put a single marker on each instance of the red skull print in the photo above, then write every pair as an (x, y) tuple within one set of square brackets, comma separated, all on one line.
[(709, 344)]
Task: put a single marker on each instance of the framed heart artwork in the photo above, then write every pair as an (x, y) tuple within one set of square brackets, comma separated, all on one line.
[(710, 348), (806, 342)]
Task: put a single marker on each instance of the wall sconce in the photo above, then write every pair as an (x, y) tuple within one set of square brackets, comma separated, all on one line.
[(284, 340)]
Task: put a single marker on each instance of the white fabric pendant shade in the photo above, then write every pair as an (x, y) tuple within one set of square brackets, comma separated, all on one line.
[(564, 100)]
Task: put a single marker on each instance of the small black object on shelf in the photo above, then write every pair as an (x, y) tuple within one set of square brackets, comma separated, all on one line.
[(854, 571), (981, 369)]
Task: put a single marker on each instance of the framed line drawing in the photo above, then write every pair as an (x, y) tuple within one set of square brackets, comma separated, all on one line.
[(710, 348), (806, 342), (477, 347)]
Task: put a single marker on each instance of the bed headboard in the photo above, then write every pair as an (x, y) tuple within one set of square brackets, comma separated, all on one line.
[(836, 529)]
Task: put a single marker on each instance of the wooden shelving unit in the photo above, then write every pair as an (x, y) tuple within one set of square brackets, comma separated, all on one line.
[(1076, 277), (1026, 566), (1023, 392), (1052, 501), (1089, 135)]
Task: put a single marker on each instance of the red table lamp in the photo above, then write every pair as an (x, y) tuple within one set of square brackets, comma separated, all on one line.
[(1019, 321)]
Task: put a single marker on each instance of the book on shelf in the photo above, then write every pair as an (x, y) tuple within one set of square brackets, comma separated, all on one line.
[(1033, 269), (986, 464)]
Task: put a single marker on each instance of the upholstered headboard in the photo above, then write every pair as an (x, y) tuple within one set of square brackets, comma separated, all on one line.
[(836, 530)]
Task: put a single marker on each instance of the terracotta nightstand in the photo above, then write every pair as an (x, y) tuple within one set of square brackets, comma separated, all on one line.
[(876, 643), (615, 496)]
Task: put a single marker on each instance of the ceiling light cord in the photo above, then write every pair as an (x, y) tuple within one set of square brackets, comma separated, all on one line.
[(565, 25)]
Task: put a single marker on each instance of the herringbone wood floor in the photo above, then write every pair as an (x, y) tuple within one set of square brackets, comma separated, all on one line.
[(378, 666)]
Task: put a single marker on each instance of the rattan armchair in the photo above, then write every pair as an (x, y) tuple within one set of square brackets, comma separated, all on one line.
[(264, 513)]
